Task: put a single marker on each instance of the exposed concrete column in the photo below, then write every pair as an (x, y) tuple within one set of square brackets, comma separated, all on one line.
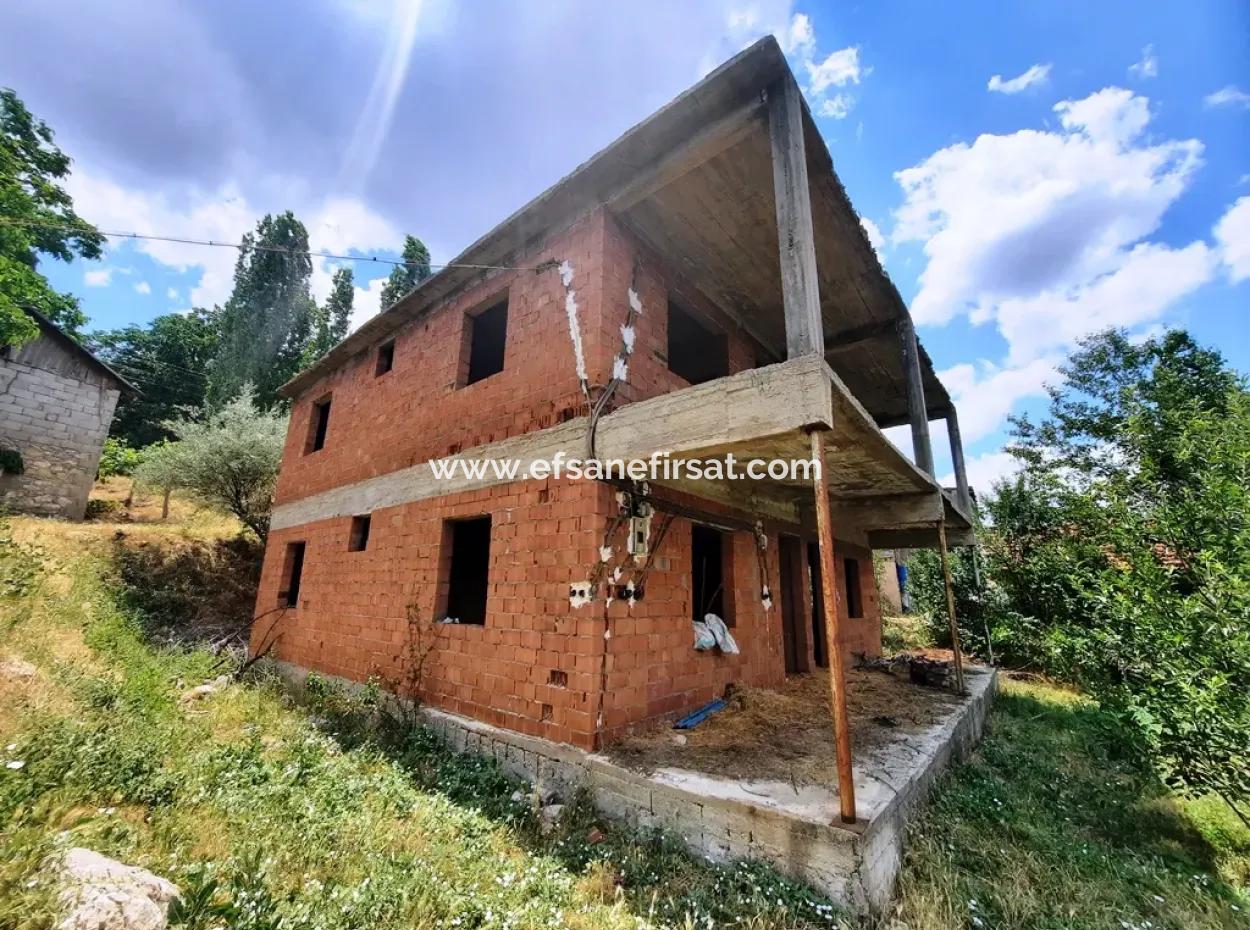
[(957, 459), (795, 237), (917, 412), (950, 607), (833, 637)]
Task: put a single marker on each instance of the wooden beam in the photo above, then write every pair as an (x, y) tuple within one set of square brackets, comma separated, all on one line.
[(957, 459), (702, 147), (833, 637), (917, 413), (950, 607), (796, 237)]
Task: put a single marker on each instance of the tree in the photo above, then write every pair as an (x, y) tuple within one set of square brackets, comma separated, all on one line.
[(170, 359), (38, 219), (333, 319), (267, 323), (405, 277), (1127, 538), (229, 460)]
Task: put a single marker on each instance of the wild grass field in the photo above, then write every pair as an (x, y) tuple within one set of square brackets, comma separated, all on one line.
[(271, 815)]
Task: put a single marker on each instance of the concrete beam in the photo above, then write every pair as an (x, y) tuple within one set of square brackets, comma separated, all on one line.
[(796, 236), (916, 410)]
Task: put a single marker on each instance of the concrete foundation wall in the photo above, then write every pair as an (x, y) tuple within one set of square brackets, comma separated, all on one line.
[(56, 413), (855, 866)]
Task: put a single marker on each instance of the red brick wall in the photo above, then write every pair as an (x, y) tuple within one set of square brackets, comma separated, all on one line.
[(352, 619), (418, 411)]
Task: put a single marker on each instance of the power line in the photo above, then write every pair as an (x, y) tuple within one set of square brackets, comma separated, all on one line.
[(312, 253)]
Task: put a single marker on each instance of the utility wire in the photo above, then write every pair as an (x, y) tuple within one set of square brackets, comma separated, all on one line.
[(312, 253)]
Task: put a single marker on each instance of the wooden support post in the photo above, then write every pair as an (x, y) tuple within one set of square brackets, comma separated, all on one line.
[(957, 460), (833, 638), (917, 412), (796, 239), (950, 607)]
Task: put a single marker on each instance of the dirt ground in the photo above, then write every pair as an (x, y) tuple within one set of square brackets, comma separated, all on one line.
[(787, 734)]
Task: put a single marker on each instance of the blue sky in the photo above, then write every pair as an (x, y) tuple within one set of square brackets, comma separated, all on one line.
[(1029, 171)]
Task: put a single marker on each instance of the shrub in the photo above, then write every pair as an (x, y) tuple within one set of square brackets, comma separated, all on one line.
[(118, 458)]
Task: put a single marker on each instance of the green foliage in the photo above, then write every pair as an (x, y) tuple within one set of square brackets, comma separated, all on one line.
[(268, 322), (38, 219), (1126, 542), (228, 460), (169, 359), (1055, 823), (20, 564), (332, 320), (405, 277), (11, 462), (118, 458)]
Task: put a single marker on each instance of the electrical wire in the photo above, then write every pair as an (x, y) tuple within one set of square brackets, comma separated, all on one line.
[(312, 253)]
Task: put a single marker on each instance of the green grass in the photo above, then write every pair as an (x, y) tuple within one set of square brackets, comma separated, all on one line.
[(269, 815), (1053, 826), (266, 819)]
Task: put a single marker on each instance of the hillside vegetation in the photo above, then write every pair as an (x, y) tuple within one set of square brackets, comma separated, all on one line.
[(269, 815)]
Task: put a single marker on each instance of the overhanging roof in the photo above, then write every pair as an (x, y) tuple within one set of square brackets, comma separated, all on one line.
[(694, 180)]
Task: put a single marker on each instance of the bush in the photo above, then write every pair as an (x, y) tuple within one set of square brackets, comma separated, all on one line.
[(118, 458)]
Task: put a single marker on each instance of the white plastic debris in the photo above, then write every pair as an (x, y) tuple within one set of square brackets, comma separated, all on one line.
[(766, 598), (635, 302), (566, 273), (620, 369), (605, 553), (714, 627), (628, 336)]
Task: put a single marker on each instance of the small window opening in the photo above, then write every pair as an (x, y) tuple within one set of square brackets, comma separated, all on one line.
[(854, 596), (468, 569), (488, 334), (708, 577), (546, 712), (558, 678), (358, 539), (292, 572), (318, 424), (386, 358), (695, 352)]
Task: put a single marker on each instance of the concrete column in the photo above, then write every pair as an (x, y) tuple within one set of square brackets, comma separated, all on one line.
[(795, 237), (957, 459), (917, 412)]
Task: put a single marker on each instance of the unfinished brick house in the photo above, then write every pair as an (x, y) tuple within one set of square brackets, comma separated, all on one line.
[(757, 320)]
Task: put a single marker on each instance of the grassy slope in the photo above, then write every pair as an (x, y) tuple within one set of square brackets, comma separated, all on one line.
[(242, 798)]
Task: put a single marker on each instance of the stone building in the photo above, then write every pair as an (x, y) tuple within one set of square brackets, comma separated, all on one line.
[(56, 404)]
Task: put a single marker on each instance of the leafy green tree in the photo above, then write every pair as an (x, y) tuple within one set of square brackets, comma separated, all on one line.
[(267, 323), (38, 219), (405, 277), (333, 319), (169, 359), (1126, 541), (228, 460)]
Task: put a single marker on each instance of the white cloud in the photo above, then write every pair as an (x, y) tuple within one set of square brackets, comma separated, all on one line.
[(1147, 66), (985, 393), (172, 293), (1232, 234), (142, 287), (985, 470), (1039, 231), (836, 70), (338, 224), (874, 234), (1230, 96), (98, 277), (836, 107), (798, 38), (1045, 235), (1035, 75)]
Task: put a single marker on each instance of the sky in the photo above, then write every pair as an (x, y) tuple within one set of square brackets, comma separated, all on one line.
[(1028, 172)]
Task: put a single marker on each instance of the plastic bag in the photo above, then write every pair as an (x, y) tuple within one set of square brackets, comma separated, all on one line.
[(711, 631)]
